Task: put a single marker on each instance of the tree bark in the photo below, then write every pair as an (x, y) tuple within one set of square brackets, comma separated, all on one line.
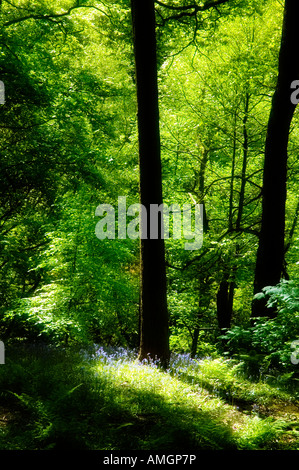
[(231, 194), (201, 186), (154, 329), (225, 296), (244, 164), (270, 254), (194, 342)]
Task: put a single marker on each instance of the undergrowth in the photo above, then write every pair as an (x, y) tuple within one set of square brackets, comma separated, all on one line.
[(106, 399)]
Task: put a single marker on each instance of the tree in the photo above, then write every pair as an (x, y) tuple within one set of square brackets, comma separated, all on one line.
[(213, 132), (63, 132), (154, 337), (271, 251)]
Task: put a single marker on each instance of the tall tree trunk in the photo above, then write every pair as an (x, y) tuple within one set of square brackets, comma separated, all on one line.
[(231, 194), (194, 342), (201, 186), (225, 296), (154, 334), (244, 164), (270, 254)]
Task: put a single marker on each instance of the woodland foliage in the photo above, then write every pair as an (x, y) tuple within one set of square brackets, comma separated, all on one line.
[(69, 142)]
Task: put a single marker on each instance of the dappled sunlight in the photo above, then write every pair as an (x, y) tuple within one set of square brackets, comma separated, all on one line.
[(197, 387), (149, 235), (104, 398)]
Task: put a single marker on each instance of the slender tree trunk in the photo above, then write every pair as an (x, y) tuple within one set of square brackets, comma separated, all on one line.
[(270, 254), (244, 164), (194, 341), (231, 195), (154, 335), (225, 296), (201, 187)]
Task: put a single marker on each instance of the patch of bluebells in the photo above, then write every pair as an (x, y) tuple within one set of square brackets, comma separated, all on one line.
[(149, 361), (112, 355), (180, 364)]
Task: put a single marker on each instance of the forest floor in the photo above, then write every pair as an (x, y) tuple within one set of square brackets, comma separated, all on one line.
[(61, 399)]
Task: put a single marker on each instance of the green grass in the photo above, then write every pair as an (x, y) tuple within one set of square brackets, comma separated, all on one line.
[(226, 378), (57, 399)]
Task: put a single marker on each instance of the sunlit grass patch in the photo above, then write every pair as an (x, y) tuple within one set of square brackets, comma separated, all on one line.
[(225, 377), (180, 414), (146, 389), (257, 433), (109, 400)]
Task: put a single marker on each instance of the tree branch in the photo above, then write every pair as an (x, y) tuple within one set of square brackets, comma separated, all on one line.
[(173, 7), (52, 16), (293, 227), (40, 17), (193, 6), (188, 10)]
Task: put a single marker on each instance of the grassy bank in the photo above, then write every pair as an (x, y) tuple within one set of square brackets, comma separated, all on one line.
[(65, 399)]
